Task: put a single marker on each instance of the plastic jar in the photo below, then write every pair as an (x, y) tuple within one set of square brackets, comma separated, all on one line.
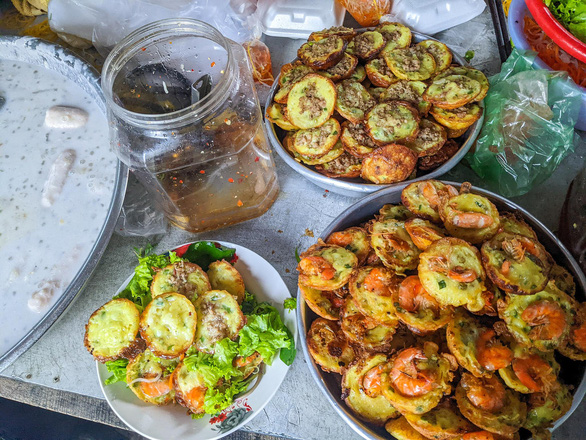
[(185, 117)]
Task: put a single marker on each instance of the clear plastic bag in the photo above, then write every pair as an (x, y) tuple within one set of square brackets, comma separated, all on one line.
[(105, 22), (366, 12), (528, 126), (138, 216)]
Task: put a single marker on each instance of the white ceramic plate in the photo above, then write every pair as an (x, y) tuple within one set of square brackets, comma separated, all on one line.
[(172, 421)]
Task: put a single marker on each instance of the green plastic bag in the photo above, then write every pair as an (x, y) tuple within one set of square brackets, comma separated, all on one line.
[(528, 126)]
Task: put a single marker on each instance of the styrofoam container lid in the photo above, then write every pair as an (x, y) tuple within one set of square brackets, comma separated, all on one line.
[(297, 19)]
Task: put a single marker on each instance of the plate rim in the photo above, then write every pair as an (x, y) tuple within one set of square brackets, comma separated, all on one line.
[(293, 320), (78, 282)]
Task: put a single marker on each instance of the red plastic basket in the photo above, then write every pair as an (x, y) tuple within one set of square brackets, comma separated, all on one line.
[(554, 30)]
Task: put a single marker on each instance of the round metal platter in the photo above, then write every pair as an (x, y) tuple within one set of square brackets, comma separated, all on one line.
[(358, 187), (47, 56), (572, 372)]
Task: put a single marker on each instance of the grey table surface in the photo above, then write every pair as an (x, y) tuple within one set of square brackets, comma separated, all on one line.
[(57, 373)]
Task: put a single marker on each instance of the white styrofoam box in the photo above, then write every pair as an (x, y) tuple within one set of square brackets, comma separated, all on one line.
[(433, 16), (299, 18)]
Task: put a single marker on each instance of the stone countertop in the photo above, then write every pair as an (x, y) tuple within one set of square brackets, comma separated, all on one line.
[(59, 362)]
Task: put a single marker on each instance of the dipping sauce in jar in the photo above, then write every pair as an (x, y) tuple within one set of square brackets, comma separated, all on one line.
[(184, 116)]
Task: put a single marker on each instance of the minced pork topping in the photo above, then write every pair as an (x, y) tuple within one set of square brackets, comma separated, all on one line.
[(353, 97), (324, 47), (312, 102)]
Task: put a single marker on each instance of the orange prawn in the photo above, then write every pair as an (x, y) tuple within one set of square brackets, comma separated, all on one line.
[(488, 297), (315, 265), (360, 325), (423, 236), (458, 273), (397, 243), (405, 375), (491, 354), (517, 246), (579, 337), (462, 275), (413, 297), (433, 196), (341, 238), (465, 188), (514, 248), (429, 191), (478, 435), (240, 361), (376, 281), (196, 397), (336, 301), (157, 388), (547, 319), (535, 373), (529, 246), (578, 330), (506, 267), (486, 393), (372, 381), (471, 220), (453, 192)]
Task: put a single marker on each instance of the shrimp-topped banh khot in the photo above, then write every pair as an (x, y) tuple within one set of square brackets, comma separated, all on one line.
[(397, 101), (444, 318)]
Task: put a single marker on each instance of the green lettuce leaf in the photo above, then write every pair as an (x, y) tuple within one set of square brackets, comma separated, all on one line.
[(138, 289), (264, 332), (249, 303), (118, 370), (213, 367), (571, 14), (287, 354), (221, 397), (203, 253), (290, 304)]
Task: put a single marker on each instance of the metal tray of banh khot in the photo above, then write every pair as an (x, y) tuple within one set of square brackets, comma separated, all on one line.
[(357, 187), (572, 373)]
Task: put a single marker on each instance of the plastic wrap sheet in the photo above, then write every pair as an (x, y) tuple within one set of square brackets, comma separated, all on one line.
[(105, 22), (528, 128), (138, 216)]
